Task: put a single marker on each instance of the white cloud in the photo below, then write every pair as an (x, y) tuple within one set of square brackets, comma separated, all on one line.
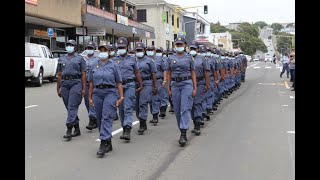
[(228, 11)]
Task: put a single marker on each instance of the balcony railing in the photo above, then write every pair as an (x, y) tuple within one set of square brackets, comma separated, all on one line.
[(111, 15)]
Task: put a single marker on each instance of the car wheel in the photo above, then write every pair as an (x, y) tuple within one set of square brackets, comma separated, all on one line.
[(39, 80)]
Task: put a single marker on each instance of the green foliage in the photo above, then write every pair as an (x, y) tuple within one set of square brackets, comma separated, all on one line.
[(247, 39), (260, 24), (276, 27), (217, 28)]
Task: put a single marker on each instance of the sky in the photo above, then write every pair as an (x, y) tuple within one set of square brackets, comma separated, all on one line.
[(230, 11)]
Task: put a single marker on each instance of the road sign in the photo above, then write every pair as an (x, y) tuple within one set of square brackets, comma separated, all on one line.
[(50, 32)]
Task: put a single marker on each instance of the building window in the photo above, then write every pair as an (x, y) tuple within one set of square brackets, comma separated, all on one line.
[(142, 15), (172, 20), (178, 22), (167, 17), (152, 43)]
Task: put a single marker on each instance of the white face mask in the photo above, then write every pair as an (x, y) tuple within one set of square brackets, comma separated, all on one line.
[(150, 53), (140, 54), (90, 51), (159, 54), (193, 53), (103, 55), (112, 53), (70, 49), (180, 49)]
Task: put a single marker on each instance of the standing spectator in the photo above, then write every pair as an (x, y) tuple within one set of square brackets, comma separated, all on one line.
[(285, 63), (292, 70)]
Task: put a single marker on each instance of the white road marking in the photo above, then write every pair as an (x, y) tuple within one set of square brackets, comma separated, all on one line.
[(287, 86), (256, 67), (119, 130), (30, 106), (267, 67), (291, 132), (291, 155), (253, 65), (291, 97), (285, 105), (278, 67)]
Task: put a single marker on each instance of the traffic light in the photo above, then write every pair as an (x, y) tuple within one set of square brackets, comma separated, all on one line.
[(205, 9)]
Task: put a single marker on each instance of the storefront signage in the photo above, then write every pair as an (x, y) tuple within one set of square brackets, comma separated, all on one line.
[(79, 31), (96, 32), (42, 33), (122, 20)]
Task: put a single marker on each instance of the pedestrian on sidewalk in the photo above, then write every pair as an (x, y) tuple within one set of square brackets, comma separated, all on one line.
[(285, 63), (292, 67)]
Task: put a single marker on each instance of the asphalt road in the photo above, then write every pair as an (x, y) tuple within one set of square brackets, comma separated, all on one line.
[(250, 137)]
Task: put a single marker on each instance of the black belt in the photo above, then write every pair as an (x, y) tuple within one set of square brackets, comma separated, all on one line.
[(146, 78), (71, 77), (179, 79), (127, 81), (104, 86), (199, 78)]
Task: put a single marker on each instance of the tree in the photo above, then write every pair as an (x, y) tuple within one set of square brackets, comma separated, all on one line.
[(249, 44), (276, 27), (217, 28), (284, 43), (261, 24), (249, 29)]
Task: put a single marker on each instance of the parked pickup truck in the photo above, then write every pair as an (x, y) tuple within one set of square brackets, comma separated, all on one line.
[(39, 64)]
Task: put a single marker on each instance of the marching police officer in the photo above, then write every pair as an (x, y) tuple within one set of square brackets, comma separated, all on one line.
[(182, 86), (203, 83), (90, 60), (132, 53), (113, 51), (149, 81), (105, 79), (170, 52), (164, 93), (130, 73), (161, 80), (71, 85), (112, 54)]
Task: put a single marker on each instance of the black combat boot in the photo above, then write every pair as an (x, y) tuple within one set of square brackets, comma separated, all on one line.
[(92, 123), (197, 128), (163, 110), (76, 131), (68, 135), (123, 132), (154, 119), (105, 147), (143, 127), (127, 130), (183, 137)]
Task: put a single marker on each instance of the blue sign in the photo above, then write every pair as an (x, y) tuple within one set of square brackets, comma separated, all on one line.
[(50, 32)]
